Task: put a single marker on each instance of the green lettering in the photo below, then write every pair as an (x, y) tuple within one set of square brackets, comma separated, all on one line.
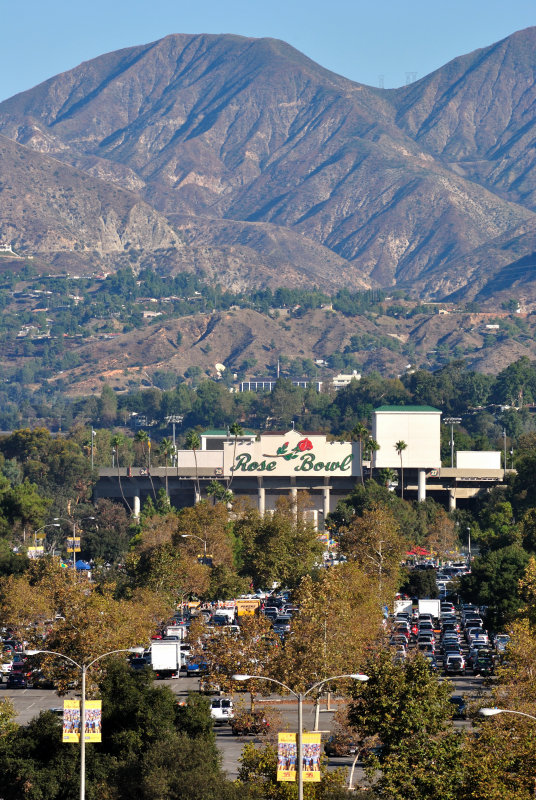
[(319, 465), (271, 466), (241, 462), (334, 466), (252, 467), (306, 465), (345, 463)]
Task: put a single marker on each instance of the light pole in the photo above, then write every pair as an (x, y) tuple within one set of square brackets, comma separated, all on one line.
[(452, 421), (194, 536), (504, 444), (83, 669), (93, 434), (73, 523), (42, 528), (490, 712), (469, 543), (300, 696)]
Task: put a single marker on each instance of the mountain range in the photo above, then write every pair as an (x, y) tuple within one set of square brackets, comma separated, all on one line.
[(244, 159)]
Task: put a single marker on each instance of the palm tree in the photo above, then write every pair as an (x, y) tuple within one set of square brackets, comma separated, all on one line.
[(371, 447), (143, 437), (400, 446), (218, 492), (236, 430), (116, 441), (166, 449), (193, 442), (359, 434)]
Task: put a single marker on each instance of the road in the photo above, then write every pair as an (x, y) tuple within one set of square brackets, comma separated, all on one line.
[(29, 702)]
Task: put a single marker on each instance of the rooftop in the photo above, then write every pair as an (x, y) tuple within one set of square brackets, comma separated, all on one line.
[(410, 409)]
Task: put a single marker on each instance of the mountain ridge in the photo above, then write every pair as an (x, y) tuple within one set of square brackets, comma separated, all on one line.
[(402, 186)]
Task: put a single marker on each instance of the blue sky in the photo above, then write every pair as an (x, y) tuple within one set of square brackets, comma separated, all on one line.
[(360, 40)]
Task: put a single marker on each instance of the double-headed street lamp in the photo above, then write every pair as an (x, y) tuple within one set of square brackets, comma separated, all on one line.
[(300, 697), (83, 669), (42, 528), (73, 523)]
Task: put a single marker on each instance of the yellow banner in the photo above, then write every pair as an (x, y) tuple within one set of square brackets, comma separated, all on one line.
[(71, 721), (93, 721), (311, 757), (286, 757)]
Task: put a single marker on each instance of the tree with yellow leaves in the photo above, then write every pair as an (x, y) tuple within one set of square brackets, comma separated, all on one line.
[(52, 608), (338, 621), (373, 540)]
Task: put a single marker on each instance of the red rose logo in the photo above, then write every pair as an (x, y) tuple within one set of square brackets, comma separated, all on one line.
[(304, 445)]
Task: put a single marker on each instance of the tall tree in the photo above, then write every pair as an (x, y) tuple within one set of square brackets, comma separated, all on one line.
[(374, 541), (193, 442), (143, 437), (116, 441), (400, 446), (166, 449), (405, 707), (235, 430), (359, 433)]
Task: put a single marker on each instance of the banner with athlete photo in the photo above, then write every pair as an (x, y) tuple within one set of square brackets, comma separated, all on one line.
[(311, 757), (71, 721), (93, 721), (286, 757)]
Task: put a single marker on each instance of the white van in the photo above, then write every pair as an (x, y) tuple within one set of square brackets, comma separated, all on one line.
[(221, 710)]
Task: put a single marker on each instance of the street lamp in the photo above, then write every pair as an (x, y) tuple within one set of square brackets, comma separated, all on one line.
[(93, 434), (83, 669), (42, 528), (469, 543), (490, 712), (73, 523), (452, 421), (194, 536), (299, 696)]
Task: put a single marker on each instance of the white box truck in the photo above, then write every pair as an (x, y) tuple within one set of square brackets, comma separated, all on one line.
[(428, 606), (165, 658), (176, 630), (402, 606)]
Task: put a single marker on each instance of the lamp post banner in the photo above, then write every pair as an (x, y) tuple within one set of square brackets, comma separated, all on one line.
[(286, 757), (311, 757), (93, 721), (71, 721)]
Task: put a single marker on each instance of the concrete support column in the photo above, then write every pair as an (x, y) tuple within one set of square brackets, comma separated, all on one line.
[(261, 497), (326, 492), (421, 486), (452, 499), (294, 497), (136, 506)]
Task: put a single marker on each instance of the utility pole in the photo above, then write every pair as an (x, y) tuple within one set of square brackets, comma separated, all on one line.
[(452, 421)]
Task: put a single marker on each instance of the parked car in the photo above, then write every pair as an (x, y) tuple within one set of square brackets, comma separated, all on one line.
[(250, 723), (454, 664), (221, 710), (341, 744), (501, 641), (16, 680), (459, 710)]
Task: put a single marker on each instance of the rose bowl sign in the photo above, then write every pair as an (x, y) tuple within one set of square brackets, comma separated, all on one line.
[(292, 453)]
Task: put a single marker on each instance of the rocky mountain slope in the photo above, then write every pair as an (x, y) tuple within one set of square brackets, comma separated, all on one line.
[(263, 168)]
